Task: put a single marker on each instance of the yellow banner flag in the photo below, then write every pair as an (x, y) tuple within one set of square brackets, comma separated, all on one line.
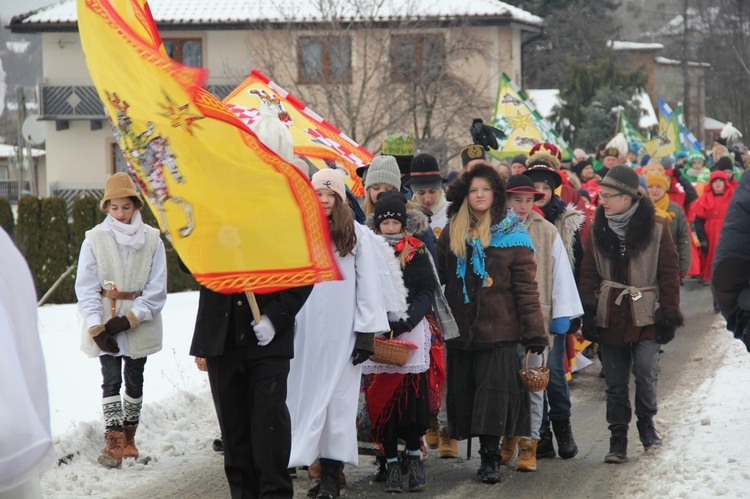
[(668, 141), (315, 139), (240, 217)]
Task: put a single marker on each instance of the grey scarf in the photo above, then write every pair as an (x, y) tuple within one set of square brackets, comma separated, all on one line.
[(618, 223), (393, 239)]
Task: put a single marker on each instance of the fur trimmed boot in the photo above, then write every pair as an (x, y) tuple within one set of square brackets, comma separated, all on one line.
[(111, 456), (129, 449)]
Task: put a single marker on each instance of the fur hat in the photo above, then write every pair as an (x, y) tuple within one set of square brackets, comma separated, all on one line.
[(459, 191), (424, 172), (120, 185), (472, 153), (390, 205), (383, 170), (543, 173), (545, 153), (330, 179), (624, 179), (522, 184)]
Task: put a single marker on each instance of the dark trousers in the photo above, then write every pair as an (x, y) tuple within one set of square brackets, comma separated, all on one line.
[(112, 375), (250, 400), (643, 359)]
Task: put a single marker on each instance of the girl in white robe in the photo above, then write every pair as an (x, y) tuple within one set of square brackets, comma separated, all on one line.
[(335, 332)]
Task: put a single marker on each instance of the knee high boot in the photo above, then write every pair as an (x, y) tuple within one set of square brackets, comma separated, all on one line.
[(132, 413)]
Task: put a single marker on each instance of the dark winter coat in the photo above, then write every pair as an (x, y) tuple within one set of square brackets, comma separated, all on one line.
[(645, 233), (678, 227), (220, 316), (508, 309), (419, 278), (731, 266)]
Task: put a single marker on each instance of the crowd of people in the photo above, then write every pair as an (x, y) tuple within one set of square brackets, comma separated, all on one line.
[(477, 274)]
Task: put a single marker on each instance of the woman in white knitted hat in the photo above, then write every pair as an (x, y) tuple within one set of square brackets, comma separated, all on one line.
[(121, 285)]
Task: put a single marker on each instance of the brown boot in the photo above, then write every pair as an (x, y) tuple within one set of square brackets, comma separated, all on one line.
[(129, 448), (431, 438), (508, 449), (448, 447), (111, 457), (526, 454)]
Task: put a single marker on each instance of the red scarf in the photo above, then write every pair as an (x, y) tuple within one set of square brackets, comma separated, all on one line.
[(414, 245)]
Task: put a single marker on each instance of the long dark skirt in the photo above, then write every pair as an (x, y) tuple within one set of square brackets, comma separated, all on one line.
[(485, 394), (408, 411)]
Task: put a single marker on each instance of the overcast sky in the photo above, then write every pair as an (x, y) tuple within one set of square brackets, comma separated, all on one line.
[(10, 8)]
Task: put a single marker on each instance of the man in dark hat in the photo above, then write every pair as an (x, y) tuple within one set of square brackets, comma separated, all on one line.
[(518, 164), (630, 289), (609, 159)]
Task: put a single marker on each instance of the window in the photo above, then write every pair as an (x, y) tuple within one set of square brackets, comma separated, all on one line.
[(118, 159), (187, 51), (324, 59), (416, 56)]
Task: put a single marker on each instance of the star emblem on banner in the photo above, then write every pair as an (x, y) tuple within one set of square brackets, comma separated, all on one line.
[(521, 121), (180, 115)]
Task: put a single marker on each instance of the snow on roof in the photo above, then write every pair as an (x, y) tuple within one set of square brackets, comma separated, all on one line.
[(17, 46), (241, 11), (675, 62), (623, 45), (8, 151), (648, 118), (712, 124)]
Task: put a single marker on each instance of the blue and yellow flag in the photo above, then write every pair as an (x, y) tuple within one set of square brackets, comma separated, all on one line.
[(241, 218), (524, 127), (668, 141)]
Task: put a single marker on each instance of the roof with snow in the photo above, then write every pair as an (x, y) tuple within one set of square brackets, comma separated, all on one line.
[(623, 45), (235, 14), (8, 151), (675, 62), (712, 124)]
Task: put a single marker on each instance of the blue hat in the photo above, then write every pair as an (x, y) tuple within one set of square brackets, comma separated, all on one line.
[(681, 154), (645, 159), (635, 147)]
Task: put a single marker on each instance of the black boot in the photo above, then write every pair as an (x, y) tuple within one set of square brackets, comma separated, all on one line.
[(566, 446), (489, 450), (545, 448), (381, 473), (618, 448), (329, 480), (647, 432)]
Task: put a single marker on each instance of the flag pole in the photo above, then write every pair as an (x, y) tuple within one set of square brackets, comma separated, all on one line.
[(253, 306)]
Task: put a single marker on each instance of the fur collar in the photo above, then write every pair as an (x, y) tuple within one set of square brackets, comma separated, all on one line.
[(637, 235), (416, 222)]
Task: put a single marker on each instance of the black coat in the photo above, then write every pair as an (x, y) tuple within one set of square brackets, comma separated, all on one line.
[(220, 315)]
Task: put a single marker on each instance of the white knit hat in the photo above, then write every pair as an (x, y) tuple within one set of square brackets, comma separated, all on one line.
[(383, 170), (330, 179)]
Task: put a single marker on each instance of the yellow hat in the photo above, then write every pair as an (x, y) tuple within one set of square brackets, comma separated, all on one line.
[(655, 175), (120, 185)]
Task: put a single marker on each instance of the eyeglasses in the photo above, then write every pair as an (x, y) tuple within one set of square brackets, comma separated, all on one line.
[(607, 197)]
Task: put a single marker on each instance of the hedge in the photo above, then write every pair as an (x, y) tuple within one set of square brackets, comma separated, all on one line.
[(6, 216), (28, 235), (55, 241)]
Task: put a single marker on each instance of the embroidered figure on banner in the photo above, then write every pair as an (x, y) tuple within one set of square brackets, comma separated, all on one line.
[(150, 157), (274, 103)]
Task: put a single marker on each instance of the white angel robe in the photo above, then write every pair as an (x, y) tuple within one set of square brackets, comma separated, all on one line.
[(323, 385), (565, 299)]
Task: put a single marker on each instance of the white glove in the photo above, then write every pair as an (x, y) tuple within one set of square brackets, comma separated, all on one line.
[(264, 331)]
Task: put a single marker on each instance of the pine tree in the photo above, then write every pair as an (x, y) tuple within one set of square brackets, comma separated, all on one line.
[(6, 216), (55, 251), (28, 235)]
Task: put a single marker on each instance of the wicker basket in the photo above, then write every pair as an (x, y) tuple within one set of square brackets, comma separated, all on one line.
[(393, 353), (534, 379)]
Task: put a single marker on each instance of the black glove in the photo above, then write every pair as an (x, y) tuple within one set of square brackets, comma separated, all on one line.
[(359, 356), (117, 324), (537, 349), (589, 329), (106, 342), (363, 347), (704, 247), (664, 336), (398, 328)]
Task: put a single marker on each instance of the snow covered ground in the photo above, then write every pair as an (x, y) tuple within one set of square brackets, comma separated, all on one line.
[(707, 417)]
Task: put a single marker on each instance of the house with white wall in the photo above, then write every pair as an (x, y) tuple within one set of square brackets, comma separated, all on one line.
[(225, 37)]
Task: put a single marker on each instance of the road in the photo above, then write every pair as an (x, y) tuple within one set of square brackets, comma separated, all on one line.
[(585, 476)]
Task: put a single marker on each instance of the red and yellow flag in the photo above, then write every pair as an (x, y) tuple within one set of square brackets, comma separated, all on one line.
[(241, 218), (319, 141)]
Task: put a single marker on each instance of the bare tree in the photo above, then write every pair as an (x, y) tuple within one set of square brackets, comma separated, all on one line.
[(371, 75)]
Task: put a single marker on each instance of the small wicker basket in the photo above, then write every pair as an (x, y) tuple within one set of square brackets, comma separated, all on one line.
[(534, 379), (390, 351)]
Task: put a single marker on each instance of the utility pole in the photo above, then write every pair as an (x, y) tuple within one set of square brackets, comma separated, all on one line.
[(686, 102), (21, 115)]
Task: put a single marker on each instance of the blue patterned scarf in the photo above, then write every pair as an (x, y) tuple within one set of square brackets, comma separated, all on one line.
[(507, 233)]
